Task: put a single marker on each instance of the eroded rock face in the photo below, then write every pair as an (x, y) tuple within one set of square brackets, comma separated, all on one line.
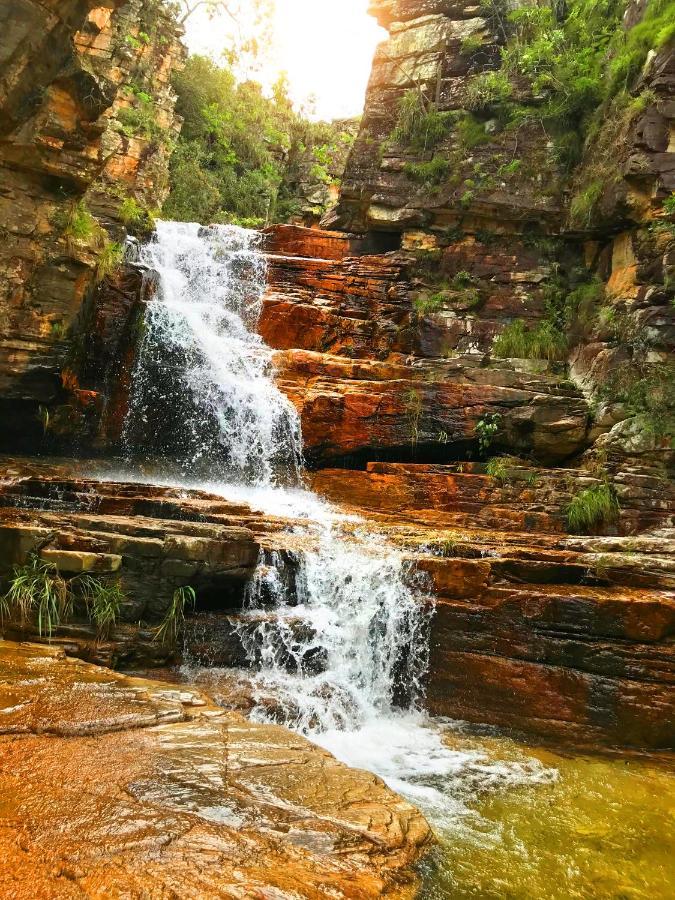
[(563, 635), (568, 637), (369, 373), (78, 138), (198, 801)]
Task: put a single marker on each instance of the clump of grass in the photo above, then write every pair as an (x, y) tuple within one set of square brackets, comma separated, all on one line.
[(419, 124), (585, 202), (486, 90), (428, 173), (103, 600), (498, 468), (544, 341), (109, 260), (174, 620), (471, 44), (471, 132), (592, 508), (80, 226), (37, 589)]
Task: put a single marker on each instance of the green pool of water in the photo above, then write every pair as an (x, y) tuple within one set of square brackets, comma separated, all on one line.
[(602, 827)]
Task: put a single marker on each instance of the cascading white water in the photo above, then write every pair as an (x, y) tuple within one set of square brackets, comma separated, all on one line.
[(202, 390), (339, 645)]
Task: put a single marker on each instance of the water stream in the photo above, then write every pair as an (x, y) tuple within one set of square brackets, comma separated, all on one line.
[(337, 646)]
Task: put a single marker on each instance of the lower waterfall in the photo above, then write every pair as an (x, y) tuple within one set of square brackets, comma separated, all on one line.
[(338, 647)]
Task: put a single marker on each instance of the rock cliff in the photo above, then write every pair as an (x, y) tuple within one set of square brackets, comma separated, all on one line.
[(86, 121)]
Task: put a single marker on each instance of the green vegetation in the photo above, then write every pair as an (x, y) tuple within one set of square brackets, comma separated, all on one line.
[(471, 132), (584, 203), (79, 226), (103, 600), (240, 155), (630, 49), (592, 508), (419, 125), (109, 260), (486, 430), (487, 89), (462, 290), (543, 341), (37, 589), (135, 216), (428, 173), (669, 205), (648, 392), (498, 468), (174, 620)]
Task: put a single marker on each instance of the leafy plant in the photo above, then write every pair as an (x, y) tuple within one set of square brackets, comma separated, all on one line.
[(103, 600), (37, 589), (486, 429), (592, 508), (174, 620), (413, 405)]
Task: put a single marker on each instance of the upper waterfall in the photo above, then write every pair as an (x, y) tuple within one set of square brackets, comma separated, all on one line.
[(203, 391)]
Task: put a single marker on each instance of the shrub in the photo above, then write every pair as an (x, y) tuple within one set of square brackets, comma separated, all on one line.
[(592, 508), (174, 620), (486, 430), (544, 341), (486, 90)]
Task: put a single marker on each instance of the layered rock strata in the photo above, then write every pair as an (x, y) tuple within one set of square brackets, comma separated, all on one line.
[(566, 636), (86, 118)]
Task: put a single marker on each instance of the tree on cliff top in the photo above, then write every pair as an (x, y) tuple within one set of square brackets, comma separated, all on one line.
[(239, 152)]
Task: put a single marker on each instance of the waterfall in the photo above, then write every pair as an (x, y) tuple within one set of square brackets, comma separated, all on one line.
[(337, 634), (202, 390)]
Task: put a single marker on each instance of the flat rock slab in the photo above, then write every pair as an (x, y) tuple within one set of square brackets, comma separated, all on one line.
[(113, 786)]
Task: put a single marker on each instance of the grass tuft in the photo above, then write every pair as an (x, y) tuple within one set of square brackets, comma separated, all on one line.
[(37, 589), (592, 508), (103, 600), (544, 341), (174, 620)]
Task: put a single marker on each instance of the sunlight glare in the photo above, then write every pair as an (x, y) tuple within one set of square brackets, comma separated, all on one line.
[(325, 48)]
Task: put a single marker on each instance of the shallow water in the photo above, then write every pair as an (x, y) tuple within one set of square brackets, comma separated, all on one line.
[(604, 827)]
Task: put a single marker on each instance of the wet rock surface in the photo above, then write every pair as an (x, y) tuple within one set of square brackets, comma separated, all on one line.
[(569, 636), (534, 629), (119, 786)]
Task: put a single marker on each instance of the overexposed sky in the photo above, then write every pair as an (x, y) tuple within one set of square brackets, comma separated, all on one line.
[(325, 47)]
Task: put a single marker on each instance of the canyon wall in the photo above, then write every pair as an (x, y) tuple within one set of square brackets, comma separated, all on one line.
[(518, 228), (86, 124)]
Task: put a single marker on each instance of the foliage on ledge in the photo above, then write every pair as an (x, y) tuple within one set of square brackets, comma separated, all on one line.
[(240, 154)]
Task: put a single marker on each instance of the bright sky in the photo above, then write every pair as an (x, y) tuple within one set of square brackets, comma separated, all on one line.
[(325, 48)]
